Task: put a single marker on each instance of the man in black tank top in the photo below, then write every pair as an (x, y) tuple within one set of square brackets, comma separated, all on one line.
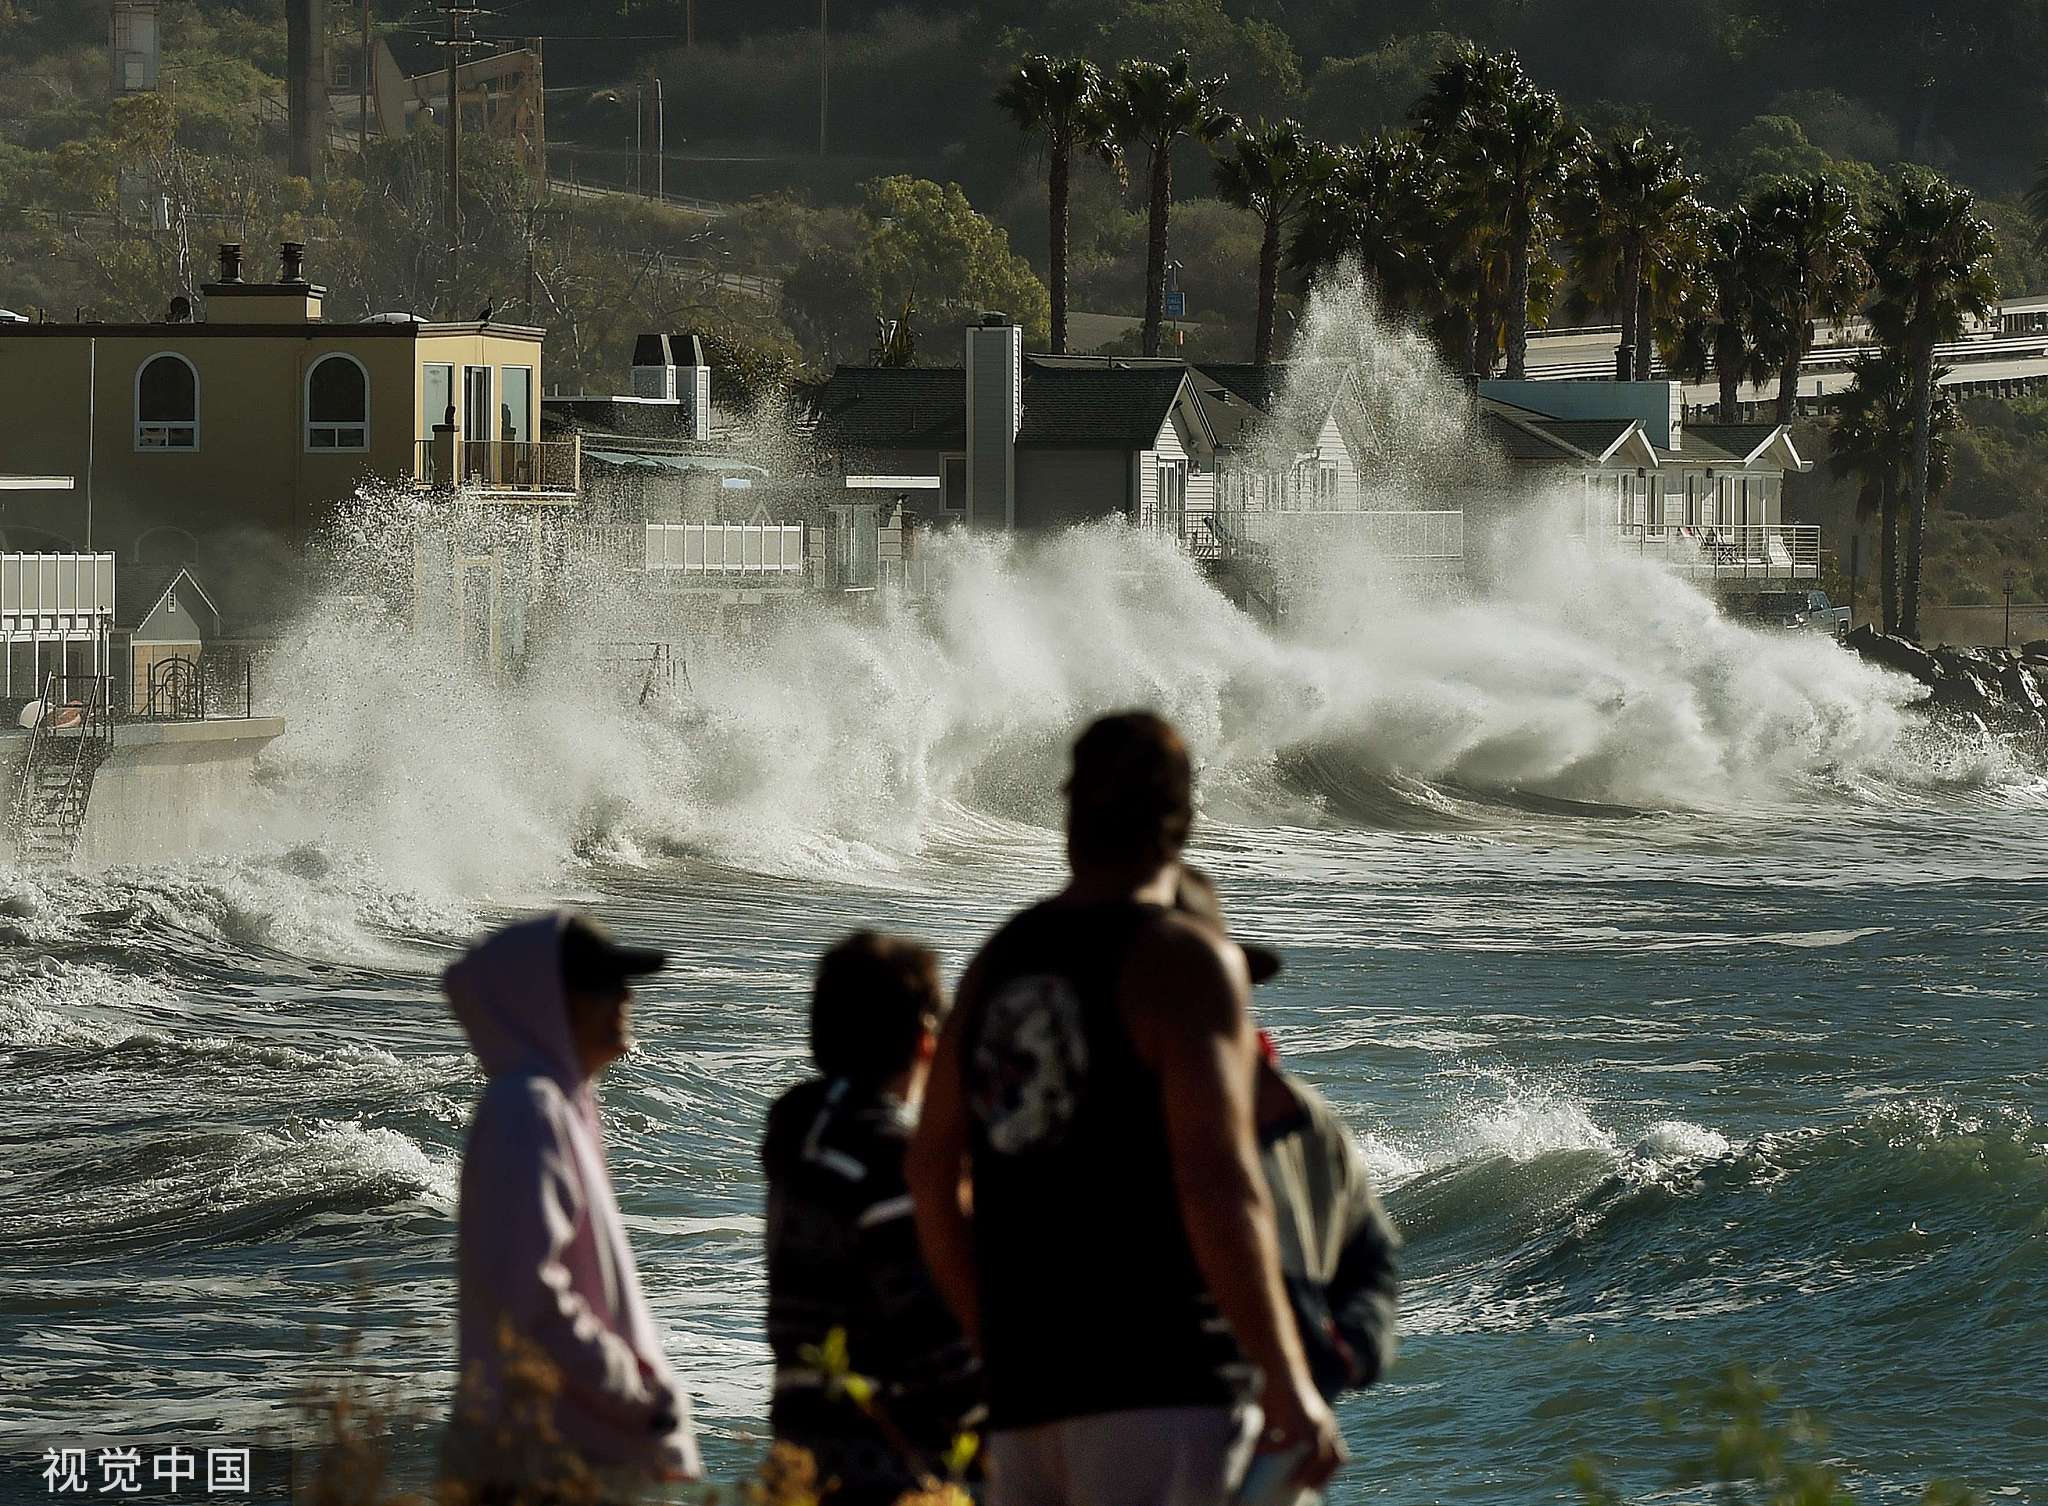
[(1091, 1103)]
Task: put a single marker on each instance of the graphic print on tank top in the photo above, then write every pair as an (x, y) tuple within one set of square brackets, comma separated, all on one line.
[(1030, 1064)]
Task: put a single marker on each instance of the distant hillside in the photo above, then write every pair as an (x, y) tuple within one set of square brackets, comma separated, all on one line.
[(819, 244)]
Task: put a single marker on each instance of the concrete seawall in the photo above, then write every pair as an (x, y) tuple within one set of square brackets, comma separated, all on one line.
[(167, 789)]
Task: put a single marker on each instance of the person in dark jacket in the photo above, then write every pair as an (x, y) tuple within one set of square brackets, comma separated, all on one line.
[(1337, 1244), (842, 1245)]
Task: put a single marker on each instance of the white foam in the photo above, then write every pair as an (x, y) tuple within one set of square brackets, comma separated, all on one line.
[(1676, 1140), (831, 745)]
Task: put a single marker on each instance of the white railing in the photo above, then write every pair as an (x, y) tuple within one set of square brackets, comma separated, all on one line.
[(44, 586), (1775, 551), (1388, 533), (726, 548)]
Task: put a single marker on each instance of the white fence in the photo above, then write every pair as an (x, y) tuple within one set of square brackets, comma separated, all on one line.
[(1789, 551), (55, 590), (726, 548), (1389, 534)]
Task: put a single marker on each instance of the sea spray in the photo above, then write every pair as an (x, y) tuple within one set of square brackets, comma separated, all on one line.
[(844, 741)]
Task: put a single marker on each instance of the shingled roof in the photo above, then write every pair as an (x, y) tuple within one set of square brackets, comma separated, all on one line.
[(1116, 406), (925, 408), (1260, 386), (894, 408), (1737, 441), (1524, 435)]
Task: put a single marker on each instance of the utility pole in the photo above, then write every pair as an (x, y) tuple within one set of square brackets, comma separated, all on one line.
[(690, 24), (457, 44), (660, 143), (824, 69), (363, 89), (2010, 575)]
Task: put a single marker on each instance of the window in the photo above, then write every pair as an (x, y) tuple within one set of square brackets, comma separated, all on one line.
[(1326, 486), (956, 483), (1654, 513), (337, 405), (476, 402), (515, 418), (166, 404), (1170, 517), (437, 391)]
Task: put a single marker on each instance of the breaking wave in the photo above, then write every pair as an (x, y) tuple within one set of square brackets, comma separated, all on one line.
[(1534, 1212)]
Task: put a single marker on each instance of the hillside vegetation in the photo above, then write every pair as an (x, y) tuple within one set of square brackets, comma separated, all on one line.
[(928, 199)]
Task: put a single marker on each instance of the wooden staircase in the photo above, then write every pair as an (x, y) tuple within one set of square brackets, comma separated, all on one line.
[(53, 787)]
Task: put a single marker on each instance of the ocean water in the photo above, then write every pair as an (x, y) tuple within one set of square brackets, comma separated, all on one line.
[(1682, 983)]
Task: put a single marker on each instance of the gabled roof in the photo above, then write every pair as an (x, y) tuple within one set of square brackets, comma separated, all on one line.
[(1260, 386), (894, 408), (139, 589), (1746, 444), (1066, 402), (1525, 435), (1123, 406)]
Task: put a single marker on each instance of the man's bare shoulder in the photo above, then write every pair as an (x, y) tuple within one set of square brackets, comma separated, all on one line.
[(1182, 976)]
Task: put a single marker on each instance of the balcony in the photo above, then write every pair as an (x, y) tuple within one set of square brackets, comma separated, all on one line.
[(1758, 552), (546, 472), (1397, 535)]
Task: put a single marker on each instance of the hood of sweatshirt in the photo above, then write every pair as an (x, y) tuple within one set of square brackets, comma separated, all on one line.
[(507, 994)]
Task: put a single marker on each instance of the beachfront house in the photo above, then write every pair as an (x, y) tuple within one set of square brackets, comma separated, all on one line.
[(1016, 442), (1226, 460), (224, 435), (1706, 500)]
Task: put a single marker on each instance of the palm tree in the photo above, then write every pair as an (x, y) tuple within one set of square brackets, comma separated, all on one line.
[(1630, 212), (1810, 265), (1716, 333), (1062, 100), (1932, 254), (1159, 105), (1379, 203), (1872, 439), (1272, 170), (1674, 281), (1513, 151)]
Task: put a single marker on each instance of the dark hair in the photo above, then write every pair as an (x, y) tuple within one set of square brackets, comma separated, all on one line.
[(1131, 796), (874, 998)]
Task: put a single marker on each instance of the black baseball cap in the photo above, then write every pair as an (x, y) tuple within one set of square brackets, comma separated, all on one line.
[(1196, 895), (592, 959)]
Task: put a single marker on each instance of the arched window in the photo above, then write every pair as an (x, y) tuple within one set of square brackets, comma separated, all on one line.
[(166, 404), (337, 404)]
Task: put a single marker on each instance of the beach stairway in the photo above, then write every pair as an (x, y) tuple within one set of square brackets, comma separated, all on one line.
[(53, 787)]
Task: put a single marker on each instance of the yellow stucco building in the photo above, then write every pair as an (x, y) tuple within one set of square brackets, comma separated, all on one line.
[(226, 442)]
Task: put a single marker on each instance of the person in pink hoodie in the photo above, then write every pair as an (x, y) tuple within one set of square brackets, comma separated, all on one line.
[(564, 1389)]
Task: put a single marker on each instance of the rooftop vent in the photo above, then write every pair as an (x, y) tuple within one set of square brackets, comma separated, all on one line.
[(230, 261), (291, 262)]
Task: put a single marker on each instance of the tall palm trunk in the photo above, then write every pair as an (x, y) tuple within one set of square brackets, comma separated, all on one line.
[(1519, 236), (1269, 287), (1632, 297), (1155, 246), (1646, 339), (1916, 484), (1788, 375), (1058, 177), (1728, 368), (1888, 553)]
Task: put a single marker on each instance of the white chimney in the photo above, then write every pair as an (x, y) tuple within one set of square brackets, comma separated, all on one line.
[(995, 412)]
